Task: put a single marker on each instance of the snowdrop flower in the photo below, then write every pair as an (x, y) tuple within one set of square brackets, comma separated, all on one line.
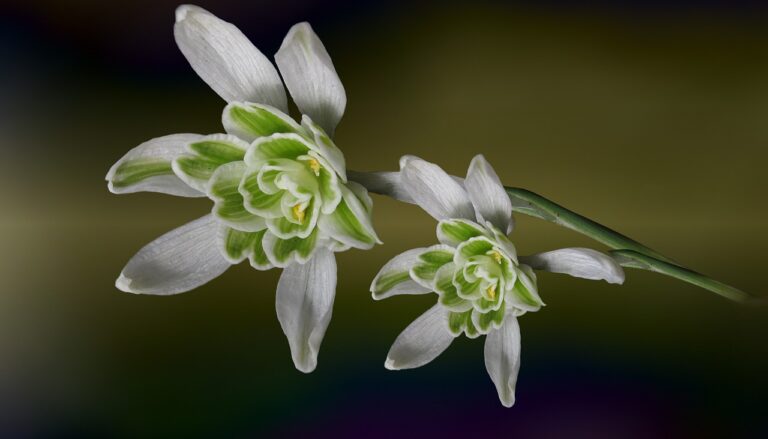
[(481, 283), (279, 188)]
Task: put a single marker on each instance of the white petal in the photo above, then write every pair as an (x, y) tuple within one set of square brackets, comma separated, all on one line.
[(435, 191), (311, 78), (161, 149), (178, 261), (383, 183), (502, 358), (488, 195), (400, 264), (305, 296), (422, 341), (578, 262), (226, 60)]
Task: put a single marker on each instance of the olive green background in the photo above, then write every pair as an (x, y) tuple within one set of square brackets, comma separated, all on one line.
[(651, 120)]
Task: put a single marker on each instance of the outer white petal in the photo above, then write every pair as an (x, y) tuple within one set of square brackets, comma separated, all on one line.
[(304, 304), (488, 195), (578, 262), (401, 263), (435, 191), (178, 261), (422, 341), (165, 149), (382, 183), (311, 78), (226, 60), (502, 358)]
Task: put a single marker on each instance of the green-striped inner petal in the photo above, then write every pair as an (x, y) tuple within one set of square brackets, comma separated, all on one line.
[(454, 231), (197, 167), (474, 247), (218, 151), (281, 148), (526, 293), (259, 121), (350, 225), (258, 256), (491, 318), (388, 281), (134, 171), (459, 322), (302, 247), (466, 289), (239, 244), (256, 200)]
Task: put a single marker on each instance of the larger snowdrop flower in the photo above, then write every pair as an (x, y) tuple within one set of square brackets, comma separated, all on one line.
[(481, 283), (279, 188)]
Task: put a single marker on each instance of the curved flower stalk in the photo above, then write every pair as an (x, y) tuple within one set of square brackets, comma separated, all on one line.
[(279, 187), (481, 283)]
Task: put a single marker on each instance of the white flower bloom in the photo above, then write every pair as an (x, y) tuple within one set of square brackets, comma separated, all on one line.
[(279, 188), (481, 283)]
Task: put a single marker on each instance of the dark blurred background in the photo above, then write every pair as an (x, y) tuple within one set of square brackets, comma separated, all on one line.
[(649, 117)]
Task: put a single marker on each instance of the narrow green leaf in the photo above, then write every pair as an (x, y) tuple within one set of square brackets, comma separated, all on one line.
[(633, 259)]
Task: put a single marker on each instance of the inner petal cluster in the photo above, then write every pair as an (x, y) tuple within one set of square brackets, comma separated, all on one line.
[(279, 188), (478, 277)]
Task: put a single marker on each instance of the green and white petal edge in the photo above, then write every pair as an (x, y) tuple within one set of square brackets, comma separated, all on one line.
[(148, 168), (422, 341), (394, 279), (311, 78), (230, 148), (304, 304), (181, 260), (226, 60), (502, 358)]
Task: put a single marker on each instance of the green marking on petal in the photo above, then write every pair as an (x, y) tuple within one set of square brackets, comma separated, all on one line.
[(196, 167), (473, 247), (466, 289), (258, 257), (493, 318), (437, 257), (252, 121), (350, 223), (525, 287), (459, 322), (277, 146), (430, 262), (455, 231), (218, 150), (300, 248), (228, 206), (388, 281), (256, 200), (134, 171), (237, 244)]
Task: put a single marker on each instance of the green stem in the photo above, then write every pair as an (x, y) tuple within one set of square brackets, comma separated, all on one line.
[(628, 252)]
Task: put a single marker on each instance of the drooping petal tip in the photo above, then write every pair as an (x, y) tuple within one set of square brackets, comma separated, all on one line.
[(123, 283)]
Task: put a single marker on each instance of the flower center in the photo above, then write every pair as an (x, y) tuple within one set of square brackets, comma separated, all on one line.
[(492, 291), (496, 256), (314, 165), (298, 212)]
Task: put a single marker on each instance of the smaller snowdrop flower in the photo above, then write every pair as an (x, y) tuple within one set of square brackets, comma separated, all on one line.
[(279, 188), (481, 283)]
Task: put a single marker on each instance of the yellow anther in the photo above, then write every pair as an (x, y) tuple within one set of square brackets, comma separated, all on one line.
[(492, 291), (298, 212), (496, 256), (314, 165)]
